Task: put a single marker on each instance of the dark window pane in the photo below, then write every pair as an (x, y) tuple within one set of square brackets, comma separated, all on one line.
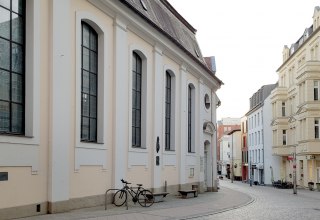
[(85, 105), (17, 58), (4, 23), (4, 54), (133, 136), (85, 81), (93, 41), (93, 84), (138, 137), (85, 36), (17, 28), (133, 117), (93, 62), (138, 118), (85, 58), (134, 63), (138, 82), (4, 116), (17, 6), (85, 128), (93, 129), (17, 118), (93, 106), (138, 65), (134, 81), (17, 88), (4, 85), (134, 99), (5, 3), (138, 105)]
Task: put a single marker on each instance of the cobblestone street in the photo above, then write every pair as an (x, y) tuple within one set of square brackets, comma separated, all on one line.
[(271, 203)]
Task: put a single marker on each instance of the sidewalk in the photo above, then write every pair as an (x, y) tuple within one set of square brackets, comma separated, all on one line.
[(173, 207)]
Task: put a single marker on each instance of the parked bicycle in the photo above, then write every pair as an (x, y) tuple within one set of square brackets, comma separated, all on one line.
[(143, 196)]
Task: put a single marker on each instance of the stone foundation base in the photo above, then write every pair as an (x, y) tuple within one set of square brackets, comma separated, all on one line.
[(24, 211)]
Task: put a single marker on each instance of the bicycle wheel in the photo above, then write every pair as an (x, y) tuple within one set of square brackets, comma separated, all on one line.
[(120, 197), (145, 198)]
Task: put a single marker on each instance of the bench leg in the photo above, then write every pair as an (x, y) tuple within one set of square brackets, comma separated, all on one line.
[(195, 194)]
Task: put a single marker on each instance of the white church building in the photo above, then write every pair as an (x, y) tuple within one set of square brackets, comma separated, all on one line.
[(92, 91)]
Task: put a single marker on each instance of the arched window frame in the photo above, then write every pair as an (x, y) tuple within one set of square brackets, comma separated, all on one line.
[(191, 118), (136, 49), (169, 110), (136, 127), (102, 78), (12, 76), (89, 83)]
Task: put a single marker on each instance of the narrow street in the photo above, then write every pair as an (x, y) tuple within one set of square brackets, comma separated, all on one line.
[(271, 203)]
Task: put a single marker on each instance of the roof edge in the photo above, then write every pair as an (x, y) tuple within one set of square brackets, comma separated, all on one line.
[(179, 16), (203, 65)]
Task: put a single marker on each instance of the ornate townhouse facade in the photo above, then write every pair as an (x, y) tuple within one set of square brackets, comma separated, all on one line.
[(93, 91), (296, 107)]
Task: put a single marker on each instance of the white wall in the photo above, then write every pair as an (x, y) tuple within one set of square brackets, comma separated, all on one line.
[(269, 159)]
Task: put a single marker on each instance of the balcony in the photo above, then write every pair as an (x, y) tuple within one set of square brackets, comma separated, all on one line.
[(308, 147), (279, 93), (284, 150), (308, 70)]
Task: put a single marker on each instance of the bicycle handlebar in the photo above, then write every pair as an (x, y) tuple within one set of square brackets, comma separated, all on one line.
[(123, 181)]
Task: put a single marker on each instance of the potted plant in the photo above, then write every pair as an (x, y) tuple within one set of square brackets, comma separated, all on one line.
[(310, 185)]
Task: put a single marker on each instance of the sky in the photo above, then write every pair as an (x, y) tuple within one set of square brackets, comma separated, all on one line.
[(247, 38)]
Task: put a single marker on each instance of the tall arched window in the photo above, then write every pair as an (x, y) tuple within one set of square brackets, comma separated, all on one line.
[(168, 112), (12, 67), (190, 119), (136, 99), (89, 83)]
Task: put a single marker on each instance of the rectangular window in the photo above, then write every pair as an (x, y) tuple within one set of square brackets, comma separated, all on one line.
[(168, 112), (256, 156), (136, 100), (283, 109), (12, 67), (316, 90), (89, 84), (284, 137), (316, 128)]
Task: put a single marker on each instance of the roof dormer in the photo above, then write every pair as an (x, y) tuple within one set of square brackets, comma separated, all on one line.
[(285, 53), (316, 14)]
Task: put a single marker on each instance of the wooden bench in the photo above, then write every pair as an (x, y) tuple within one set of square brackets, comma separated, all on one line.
[(158, 197), (184, 193)]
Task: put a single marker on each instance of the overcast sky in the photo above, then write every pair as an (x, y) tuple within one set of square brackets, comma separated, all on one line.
[(247, 38)]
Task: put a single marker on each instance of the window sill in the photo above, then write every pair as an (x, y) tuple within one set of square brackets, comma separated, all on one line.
[(91, 142), (91, 145), (14, 135)]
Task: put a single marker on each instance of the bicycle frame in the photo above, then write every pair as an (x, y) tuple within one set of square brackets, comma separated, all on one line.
[(144, 197), (134, 194)]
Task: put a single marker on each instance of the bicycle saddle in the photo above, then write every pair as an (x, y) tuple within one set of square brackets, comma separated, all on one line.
[(139, 184)]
